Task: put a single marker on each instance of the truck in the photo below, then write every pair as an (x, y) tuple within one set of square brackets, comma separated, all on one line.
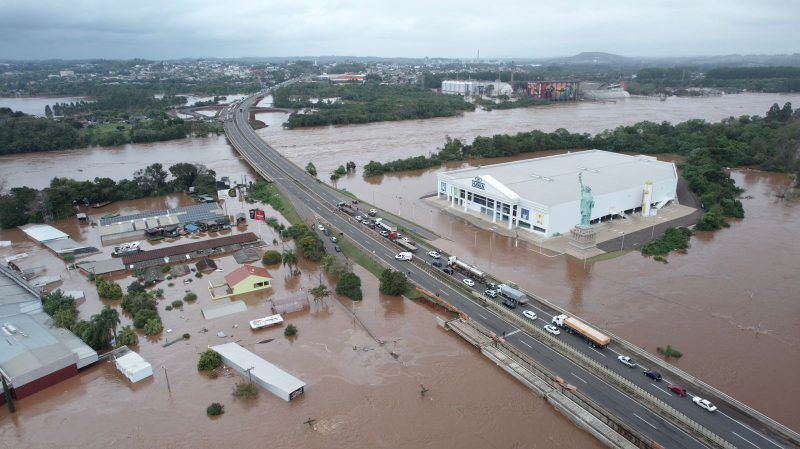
[(466, 269), (512, 293), (406, 245), (385, 225), (348, 209), (572, 325)]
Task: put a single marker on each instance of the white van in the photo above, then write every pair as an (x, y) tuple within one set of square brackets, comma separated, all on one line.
[(403, 256)]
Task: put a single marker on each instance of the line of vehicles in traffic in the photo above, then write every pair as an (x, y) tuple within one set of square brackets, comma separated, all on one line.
[(705, 404)]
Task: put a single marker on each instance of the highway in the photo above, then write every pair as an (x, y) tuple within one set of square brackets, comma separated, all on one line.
[(299, 186)]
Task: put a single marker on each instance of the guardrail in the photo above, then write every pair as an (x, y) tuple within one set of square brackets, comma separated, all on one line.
[(660, 407)]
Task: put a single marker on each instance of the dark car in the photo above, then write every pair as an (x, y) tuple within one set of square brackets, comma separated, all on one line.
[(337, 248), (448, 270), (510, 303), (655, 375), (436, 264)]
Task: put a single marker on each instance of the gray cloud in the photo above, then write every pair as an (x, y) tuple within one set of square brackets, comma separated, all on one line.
[(161, 29)]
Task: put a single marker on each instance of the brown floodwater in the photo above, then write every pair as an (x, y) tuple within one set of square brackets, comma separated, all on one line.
[(359, 394), (730, 303)]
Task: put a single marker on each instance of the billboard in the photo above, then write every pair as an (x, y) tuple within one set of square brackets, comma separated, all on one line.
[(554, 90)]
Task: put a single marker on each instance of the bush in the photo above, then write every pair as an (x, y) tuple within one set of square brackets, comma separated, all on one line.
[(245, 389), (349, 284), (142, 316), (135, 287), (271, 257), (393, 282), (127, 337), (165, 269), (108, 289), (669, 352), (198, 275), (159, 293), (209, 360), (290, 331), (186, 336), (673, 238), (168, 308), (189, 297), (215, 409), (177, 304)]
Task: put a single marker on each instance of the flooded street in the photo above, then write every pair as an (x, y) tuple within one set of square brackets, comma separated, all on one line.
[(729, 304), (358, 393)]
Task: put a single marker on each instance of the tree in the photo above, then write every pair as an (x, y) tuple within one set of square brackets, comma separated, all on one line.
[(127, 337), (48, 112), (153, 326), (311, 247), (341, 171), (271, 257), (290, 331), (108, 289), (393, 282), (135, 286), (110, 319), (311, 169), (64, 318), (185, 175), (289, 258), (320, 292), (209, 360), (349, 284)]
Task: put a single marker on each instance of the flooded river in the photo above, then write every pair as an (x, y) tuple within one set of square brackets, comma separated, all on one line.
[(729, 304)]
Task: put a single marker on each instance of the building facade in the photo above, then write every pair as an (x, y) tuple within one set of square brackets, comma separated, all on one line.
[(542, 195)]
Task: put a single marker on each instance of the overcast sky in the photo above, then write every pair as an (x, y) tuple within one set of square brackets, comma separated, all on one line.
[(169, 29)]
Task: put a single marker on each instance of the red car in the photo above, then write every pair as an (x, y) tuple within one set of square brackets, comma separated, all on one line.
[(677, 389)]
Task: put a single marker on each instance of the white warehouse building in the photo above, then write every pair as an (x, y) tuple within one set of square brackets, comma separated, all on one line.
[(472, 88), (543, 195)]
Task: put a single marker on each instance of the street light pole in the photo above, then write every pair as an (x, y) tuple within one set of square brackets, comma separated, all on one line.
[(622, 246)]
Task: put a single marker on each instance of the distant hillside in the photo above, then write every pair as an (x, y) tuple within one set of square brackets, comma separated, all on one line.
[(593, 57)]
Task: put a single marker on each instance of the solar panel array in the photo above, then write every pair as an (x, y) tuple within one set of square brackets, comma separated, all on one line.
[(188, 214)]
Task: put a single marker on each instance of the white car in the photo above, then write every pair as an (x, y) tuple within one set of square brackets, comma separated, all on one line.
[(469, 282), (405, 239), (529, 314), (434, 254), (373, 212), (359, 217), (320, 227), (704, 403), (552, 329), (627, 361)]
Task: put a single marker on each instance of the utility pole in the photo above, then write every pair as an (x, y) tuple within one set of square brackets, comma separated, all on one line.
[(249, 375), (169, 389)]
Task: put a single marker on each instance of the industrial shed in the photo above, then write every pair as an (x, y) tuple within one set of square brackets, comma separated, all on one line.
[(542, 195), (273, 379)]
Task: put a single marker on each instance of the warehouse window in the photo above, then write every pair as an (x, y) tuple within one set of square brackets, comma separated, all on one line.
[(537, 228)]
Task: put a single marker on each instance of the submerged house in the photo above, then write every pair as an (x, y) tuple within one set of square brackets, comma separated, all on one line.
[(245, 279)]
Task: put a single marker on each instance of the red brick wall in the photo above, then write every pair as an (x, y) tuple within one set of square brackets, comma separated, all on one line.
[(41, 383)]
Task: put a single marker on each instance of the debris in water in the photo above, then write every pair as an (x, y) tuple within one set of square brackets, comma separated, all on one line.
[(221, 334), (265, 341)]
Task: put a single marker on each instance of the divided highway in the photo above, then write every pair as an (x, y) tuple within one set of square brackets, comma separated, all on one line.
[(299, 186)]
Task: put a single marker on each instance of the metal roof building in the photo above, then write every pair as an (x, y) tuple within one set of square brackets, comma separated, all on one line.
[(275, 380), (542, 195), (128, 226)]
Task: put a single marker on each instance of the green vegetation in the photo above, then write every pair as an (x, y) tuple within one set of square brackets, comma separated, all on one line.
[(669, 351), (245, 389), (165, 269), (349, 284), (363, 103), (209, 360), (153, 326), (177, 303), (143, 308), (393, 282), (61, 307), (289, 259), (190, 297), (290, 331), (767, 143), (271, 257), (215, 409), (108, 289), (25, 205), (99, 330), (311, 169), (266, 192), (681, 80), (127, 337), (673, 238), (308, 244)]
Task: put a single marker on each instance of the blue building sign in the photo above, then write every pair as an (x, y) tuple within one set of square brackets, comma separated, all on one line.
[(443, 187), (478, 183), (524, 214)]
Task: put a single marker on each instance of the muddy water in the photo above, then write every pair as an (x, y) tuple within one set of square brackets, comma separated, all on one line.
[(729, 304), (359, 394), (34, 105), (332, 146)]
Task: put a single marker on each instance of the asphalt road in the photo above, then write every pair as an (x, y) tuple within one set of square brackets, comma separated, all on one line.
[(320, 199)]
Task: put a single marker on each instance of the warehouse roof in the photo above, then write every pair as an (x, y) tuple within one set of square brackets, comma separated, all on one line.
[(259, 368), (553, 180), (42, 233), (30, 351), (188, 214), (187, 248)]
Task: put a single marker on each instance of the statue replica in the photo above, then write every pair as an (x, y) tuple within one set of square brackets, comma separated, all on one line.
[(587, 203)]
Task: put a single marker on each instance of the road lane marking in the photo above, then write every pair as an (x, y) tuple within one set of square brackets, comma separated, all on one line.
[(483, 316), (512, 333), (615, 352), (749, 428), (595, 350), (754, 444), (521, 341), (579, 378), (645, 421), (661, 389)]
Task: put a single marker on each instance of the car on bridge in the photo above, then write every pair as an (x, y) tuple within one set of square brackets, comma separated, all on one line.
[(529, 314), (677, 389), (552, 329), (704, 404), (373, 212), (320, 227), (627, 361), (655, 375), (469, 282), (385, 233), (436, 264), (448, 270), (434, 254), (334, 239), (490, 293)]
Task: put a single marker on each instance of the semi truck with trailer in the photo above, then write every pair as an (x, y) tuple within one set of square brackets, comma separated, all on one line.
[(512, 293), (407, 246), (466, 269), (575, 326)]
